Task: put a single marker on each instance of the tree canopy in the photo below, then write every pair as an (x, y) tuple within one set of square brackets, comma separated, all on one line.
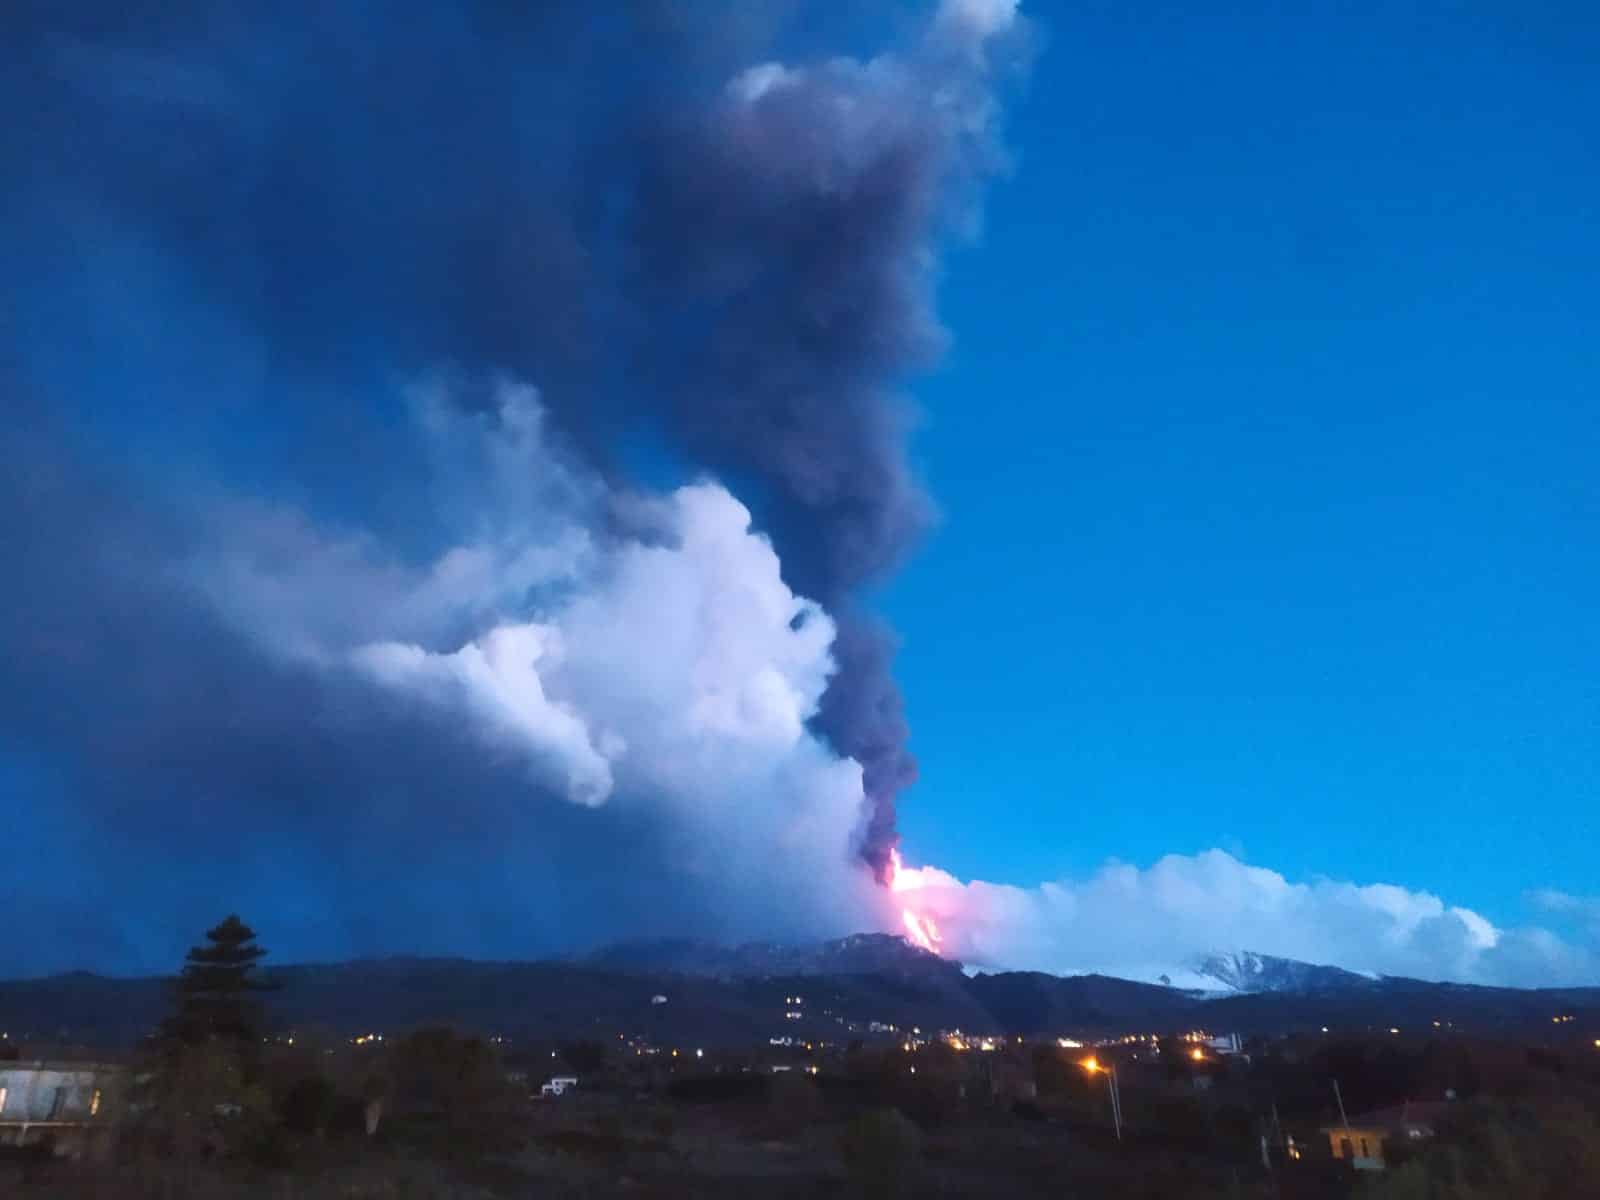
[(213, 994)]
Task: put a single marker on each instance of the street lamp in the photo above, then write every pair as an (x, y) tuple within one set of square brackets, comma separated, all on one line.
[(1092, 1065)]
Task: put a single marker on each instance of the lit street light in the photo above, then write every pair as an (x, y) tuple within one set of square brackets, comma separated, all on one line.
[(1092, 1065)]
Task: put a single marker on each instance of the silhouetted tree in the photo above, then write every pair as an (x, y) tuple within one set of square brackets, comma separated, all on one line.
[(214, 994), (200, 1090)]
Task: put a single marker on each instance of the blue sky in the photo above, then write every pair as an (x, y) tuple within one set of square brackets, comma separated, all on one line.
[(348, 584), (1265, 451)]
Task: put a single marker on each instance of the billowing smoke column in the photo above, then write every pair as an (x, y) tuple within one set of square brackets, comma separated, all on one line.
[(819, 188), (349, 357)]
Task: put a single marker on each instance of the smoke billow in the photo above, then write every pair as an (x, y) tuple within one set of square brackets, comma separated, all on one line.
[(1157, 922), (345, 358), (803, 303)]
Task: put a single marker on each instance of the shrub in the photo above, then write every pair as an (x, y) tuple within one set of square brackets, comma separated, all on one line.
[(794, 1100), (308, 1105), (880, 1151)]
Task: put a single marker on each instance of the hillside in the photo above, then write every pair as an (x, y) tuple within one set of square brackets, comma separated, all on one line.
[(849, 988)]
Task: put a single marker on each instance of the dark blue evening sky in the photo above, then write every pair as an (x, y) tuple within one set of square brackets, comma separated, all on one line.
[(1266, 452), (1264, 449)]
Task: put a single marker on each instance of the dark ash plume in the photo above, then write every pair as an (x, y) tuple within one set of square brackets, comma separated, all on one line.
[(805, 293), (227, 233)]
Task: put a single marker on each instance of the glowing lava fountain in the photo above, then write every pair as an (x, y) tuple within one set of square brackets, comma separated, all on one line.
[(922, 930)]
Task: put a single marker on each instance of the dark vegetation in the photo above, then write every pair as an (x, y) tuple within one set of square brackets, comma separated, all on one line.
[(227, 1100)]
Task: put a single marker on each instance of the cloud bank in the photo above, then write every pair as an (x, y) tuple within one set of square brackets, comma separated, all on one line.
[(1156, 921)]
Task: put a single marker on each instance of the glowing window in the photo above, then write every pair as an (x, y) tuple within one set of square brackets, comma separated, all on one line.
[(94, 1103), (2, 1099)]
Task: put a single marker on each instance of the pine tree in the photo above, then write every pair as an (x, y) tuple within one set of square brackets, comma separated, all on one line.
[(214, 993)]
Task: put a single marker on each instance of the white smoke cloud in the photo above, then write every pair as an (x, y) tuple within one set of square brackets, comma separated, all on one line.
[(1146, 923), (522, 515), (1581, 911), (678, 660), (825, 126), (1586, 908), (975, 21), (644, 651), (620, 648), (499, 678)]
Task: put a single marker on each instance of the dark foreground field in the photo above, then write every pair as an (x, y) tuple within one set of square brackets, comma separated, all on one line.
[(794, 1140), (701, 1158)]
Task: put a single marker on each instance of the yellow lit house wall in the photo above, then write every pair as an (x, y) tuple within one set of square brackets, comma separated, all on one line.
[(1363, 1147)]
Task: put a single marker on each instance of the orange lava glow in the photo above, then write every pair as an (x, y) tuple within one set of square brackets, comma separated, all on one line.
[(922, 930)]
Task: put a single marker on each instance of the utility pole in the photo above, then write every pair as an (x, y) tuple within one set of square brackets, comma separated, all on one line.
[(1092, 1065), (1343, 1117)]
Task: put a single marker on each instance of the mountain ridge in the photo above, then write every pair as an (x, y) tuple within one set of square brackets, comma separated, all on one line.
[(1245, 972), (859, 986)]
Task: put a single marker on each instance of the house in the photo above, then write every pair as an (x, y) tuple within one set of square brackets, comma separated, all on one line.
[(1362, 1140), (66, 1104), (558, 1084)]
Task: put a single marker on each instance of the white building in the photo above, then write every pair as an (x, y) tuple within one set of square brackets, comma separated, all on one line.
[(1226, 1044), (64, 1102)]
